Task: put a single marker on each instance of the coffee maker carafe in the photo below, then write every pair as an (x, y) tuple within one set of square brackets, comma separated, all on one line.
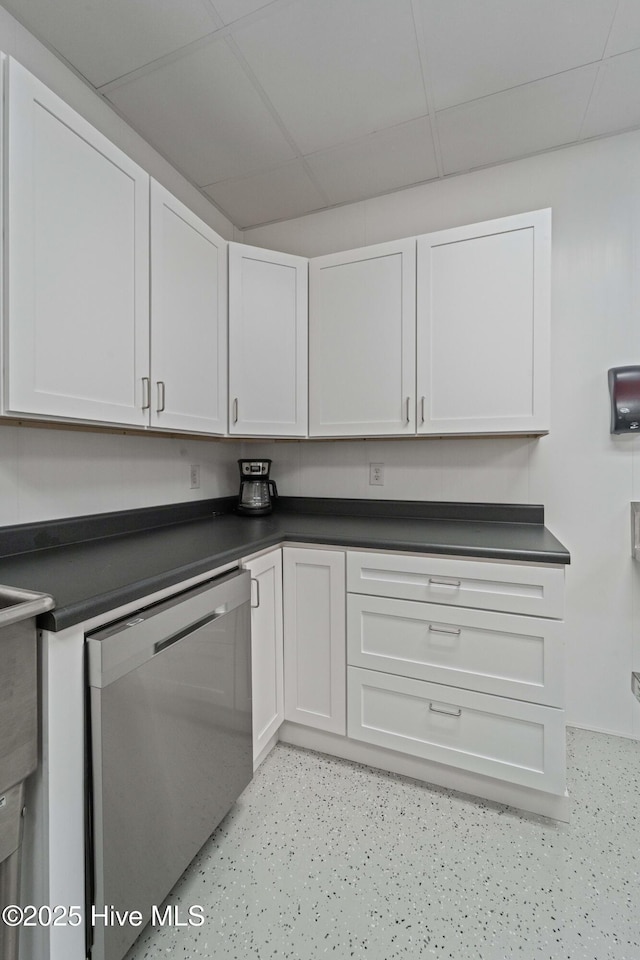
[(256, 489)]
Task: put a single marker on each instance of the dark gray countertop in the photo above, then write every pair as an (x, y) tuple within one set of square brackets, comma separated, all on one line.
[(118, 558)]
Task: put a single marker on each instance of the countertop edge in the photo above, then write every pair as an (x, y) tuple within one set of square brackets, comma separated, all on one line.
[(72, 614)]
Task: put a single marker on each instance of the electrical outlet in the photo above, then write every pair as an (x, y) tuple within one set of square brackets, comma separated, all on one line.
[(635, 685), (376, 474), (195, 476)]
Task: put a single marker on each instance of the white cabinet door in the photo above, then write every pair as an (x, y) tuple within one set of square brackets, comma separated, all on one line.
[(268, 307), (483, 327), (77, 305), (266, 647), (362, 342), (188, 319), (315, 638)]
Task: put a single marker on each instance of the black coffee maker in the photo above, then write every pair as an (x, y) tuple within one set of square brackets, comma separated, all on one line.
[(256, 489)]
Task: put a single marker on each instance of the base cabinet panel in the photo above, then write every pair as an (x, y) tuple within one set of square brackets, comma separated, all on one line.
[(314, 638), (514, 741), (267, 666)]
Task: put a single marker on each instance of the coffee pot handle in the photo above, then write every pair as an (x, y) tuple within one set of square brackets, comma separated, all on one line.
[(274, 489)]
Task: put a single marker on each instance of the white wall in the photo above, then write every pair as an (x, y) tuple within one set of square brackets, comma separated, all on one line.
[(583, 475), (45, 474)]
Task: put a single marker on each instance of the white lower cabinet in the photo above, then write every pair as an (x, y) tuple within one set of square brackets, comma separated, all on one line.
[(314, 638), (448, 663), (266, 649)]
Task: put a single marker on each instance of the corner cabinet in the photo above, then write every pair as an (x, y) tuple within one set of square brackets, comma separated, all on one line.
[(268, 309), (266, 650), (362, 342), (76, 333), (314, 638), (188, 382), (483, 305)]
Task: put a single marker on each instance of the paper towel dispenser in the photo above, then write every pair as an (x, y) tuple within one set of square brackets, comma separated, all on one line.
[(624, 387)]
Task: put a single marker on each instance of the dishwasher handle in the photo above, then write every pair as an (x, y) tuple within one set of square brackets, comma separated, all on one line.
[(121, 647), (161, 645)]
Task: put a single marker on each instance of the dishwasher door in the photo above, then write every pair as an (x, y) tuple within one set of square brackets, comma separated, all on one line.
[(170, 717)]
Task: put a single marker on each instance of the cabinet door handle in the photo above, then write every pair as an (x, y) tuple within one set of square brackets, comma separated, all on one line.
[(407, 415), (444, 582), (453, 632), (422, 403), (445, 713), (235, 410), (146, 393), (257, 583), (160, 385)]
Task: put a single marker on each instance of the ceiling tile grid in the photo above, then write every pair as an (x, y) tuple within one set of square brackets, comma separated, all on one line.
[(205, 115), (277, 107)]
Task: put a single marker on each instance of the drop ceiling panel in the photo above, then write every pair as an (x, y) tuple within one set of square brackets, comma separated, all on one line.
[(337, 70), (232, 10), (526, 119), (104, 40), (615, 104), (381, 162), (479, 48), (277, 194), (625, 34), (204, 115)]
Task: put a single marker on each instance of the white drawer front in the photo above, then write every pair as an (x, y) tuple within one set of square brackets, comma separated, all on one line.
[(506, 739), (535, 590), (498, 653)]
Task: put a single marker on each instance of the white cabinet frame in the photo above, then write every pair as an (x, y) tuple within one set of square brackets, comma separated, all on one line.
[(188, 378), (362, 342), (268, 336), (315, 638), (483, 327), (76, 324)]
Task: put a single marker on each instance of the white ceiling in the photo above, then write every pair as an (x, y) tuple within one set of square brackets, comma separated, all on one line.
[(275, 108)]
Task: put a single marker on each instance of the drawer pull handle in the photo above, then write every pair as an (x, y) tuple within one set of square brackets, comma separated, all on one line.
[(454, 632), (442, 582), (445, 713)]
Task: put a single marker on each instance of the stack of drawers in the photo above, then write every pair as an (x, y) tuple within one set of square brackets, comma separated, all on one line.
[(459, 662)]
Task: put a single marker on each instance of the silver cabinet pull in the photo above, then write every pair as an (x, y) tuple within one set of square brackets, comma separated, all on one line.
[(146, 393), (407, 415), (445, 582), (257, 583), (445, 713), (453, 632), (235, 410), (422, 403), (160, 386)]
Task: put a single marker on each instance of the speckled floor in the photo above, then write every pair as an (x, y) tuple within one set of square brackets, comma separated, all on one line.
[(325, 858)]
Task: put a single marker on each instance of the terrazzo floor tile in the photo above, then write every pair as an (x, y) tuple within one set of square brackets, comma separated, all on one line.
[(324, 858)]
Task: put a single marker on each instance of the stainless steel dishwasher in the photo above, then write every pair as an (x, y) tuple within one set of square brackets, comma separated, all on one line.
[(170, 734)]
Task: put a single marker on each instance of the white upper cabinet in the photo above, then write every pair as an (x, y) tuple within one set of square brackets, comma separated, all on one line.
[(76, 334), (483, 327), (362, 342), (268, 307), (188, 388)]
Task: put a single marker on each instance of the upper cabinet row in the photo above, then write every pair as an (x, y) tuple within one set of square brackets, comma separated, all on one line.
[(116, 293), (117, 309)]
